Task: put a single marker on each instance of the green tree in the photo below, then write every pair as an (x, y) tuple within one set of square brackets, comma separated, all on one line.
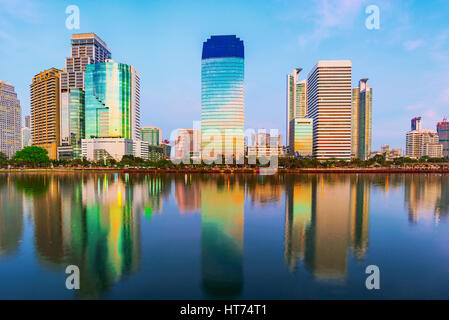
[(33, 156)]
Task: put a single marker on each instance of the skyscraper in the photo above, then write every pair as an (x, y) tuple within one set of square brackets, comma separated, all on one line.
[(152, 135), (87, 48), (112, 101), (222, 97), (45, 111), (296, 103), (423, 142), (10, 120), (329, 104), (362, 98), (443, 134)]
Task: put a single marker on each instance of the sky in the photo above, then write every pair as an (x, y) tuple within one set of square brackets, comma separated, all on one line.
[(406, 59)]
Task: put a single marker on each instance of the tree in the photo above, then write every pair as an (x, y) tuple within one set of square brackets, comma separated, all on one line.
[(32, 155)]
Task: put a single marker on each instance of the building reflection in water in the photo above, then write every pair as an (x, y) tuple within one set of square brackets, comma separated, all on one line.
[(426, 197), (11, 217), (187, 194), (93, 220), (222, 217), (325, 216)]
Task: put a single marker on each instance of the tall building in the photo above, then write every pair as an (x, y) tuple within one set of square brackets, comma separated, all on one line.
[(45, 111), (443, 134), (222, 97), (296, 102), (26, 132), (423, 142), (416, 123), (152, 135), (86, 48), (362, 99), (112, 99), (10, 120), (329, 104), (301, 137)]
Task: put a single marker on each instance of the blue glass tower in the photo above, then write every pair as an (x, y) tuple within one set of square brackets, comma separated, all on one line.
[(222, 97)]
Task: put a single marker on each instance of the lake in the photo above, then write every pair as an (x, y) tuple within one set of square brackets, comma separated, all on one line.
[(218, 236)]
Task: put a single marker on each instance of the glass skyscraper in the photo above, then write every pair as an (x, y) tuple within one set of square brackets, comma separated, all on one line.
[(112, 95), (362, 100), (222, 97)]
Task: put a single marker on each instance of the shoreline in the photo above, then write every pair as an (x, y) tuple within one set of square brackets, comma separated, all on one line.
[(260, 171)]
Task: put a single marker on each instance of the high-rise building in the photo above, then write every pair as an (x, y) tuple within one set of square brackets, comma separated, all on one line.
[(362, 98), (416, 123), (152, 135), (443, 134), (222, 97), (10, 120), (301, 137), (112, 99), (296, 102), (86, 48), (26, 132), (329, 104), (424, 142), (45, 111)]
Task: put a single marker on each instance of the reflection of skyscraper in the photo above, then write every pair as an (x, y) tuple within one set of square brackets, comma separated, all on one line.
[(298, 214), (326, 252), (222, 238), (11, 217), (187, 195), (360, 201)]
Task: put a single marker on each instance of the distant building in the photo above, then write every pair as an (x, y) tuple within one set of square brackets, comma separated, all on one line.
[(362, 100), (301, 137), (166, 148), (187, 144), (329, 104), (156, 153), (443, 134), (10, 120), (152, 135), (265, 144), (416, 123), (385, 148), (420, 143), (26, 132), (141, 149), (296, 102), (45, 127)]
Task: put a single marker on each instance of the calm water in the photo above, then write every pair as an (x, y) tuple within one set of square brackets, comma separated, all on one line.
[(223, 236)]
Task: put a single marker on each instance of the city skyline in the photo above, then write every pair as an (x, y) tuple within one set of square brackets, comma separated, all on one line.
[(390, 67)]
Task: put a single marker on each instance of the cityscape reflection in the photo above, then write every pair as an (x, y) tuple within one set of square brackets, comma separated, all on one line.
[(95, 221)]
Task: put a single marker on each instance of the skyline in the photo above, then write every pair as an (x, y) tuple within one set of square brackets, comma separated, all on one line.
[(274, 46)]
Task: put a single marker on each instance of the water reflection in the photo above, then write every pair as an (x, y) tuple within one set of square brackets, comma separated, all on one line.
[(95, 221)]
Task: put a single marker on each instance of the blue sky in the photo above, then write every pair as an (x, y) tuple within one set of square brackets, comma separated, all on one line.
[(406, 60)]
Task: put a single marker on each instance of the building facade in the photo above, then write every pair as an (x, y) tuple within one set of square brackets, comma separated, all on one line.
[(222, 97), (187, 144), (329, 104), (152, 135), (99, 149), (112, 101), (296, 102), (443, 134), (86, 48), (362, 100), (45, 111), (10, 120), (301, 136)]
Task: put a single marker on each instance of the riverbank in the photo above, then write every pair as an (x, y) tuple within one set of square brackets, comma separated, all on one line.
[(237, 170)]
